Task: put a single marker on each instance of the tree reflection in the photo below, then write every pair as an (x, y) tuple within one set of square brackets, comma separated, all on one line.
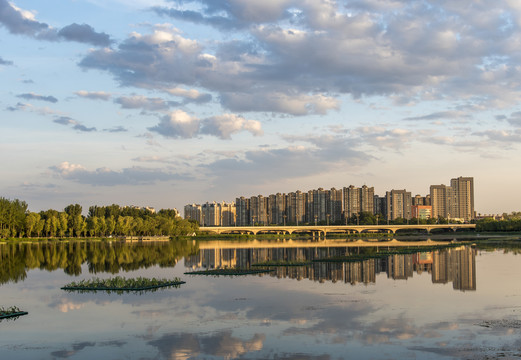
[(110, 257)]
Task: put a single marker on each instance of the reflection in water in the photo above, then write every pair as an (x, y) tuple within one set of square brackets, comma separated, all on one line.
[(258, 317), (456, 265), (223, 344), (111, 257)]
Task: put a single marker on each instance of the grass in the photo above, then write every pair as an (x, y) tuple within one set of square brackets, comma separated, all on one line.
[(12, 312), (120, 284), (227, 272)]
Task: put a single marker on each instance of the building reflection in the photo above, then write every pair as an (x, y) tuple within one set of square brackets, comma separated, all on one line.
[(451, 265)]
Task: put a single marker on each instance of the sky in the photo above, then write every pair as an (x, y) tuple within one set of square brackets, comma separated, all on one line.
[(164, 103)]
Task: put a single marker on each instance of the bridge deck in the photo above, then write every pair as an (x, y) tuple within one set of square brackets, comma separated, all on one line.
[(322, 230)]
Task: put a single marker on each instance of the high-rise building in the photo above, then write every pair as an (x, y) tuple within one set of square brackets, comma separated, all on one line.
[(357, 200), (276, 208), (296, 207), (380, 205), (398, 204), (242, 207), (441, 200), (258, 210), (193, 212), (455, 201), (335, 205), (463, 198)]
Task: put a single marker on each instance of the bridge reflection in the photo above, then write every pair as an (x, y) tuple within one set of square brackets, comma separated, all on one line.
[(323, 230), (450, 265)]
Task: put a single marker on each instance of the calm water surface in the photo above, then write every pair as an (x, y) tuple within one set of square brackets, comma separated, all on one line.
[(462, 303)]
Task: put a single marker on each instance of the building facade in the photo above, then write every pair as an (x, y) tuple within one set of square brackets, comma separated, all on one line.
[(399, 204)]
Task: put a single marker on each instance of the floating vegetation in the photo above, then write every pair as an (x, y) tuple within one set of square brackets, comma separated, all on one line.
[(228, 272), (11, 313), (386, 253), (120, 284), (284, 263)]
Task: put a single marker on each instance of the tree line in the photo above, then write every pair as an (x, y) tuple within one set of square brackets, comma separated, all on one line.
[(510, 222), (101, 221)]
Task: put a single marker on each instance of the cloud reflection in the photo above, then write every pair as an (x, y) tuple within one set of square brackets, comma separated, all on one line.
[(223, 344)]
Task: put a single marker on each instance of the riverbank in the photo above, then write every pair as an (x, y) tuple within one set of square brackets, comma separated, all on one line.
[(440, 236)]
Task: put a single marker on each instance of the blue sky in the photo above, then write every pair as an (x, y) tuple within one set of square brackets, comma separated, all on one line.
[(164, 103)]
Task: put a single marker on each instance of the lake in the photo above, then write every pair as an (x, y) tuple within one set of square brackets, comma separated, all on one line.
[(461, 302)]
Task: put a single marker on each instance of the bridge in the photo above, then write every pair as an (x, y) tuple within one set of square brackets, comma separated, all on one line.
[(322, 230)]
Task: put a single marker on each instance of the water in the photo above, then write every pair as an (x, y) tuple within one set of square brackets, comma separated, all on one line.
[(462, 303)]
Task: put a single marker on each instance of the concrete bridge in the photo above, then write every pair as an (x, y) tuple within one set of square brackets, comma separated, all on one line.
[(324, 230)]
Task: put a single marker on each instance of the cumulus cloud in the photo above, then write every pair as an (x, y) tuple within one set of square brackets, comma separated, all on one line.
[(23, 22), (32, 96), (164, 58), (107, 177), (180, 124), (299, 55), (85, 34), (225, 125), (94, 95), (5, 62)]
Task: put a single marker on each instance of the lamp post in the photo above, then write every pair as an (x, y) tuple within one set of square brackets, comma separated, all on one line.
[(284, 216), (315, 220), (327, 219)]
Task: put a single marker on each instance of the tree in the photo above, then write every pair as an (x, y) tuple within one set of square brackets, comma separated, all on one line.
[(31, 220)]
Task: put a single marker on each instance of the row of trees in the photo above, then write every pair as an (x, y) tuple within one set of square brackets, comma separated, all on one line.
[(490, 224), (104, 221)]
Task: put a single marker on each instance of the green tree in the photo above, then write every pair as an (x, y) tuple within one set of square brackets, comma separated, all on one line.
[(31, 220)]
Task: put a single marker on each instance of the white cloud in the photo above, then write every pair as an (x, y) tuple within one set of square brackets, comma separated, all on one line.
[(179, 124)]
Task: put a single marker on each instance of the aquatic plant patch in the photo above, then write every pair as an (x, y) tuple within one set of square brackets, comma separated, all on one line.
[(229, 272), (121, 284), (386, 253), (283, 263), (11, 312)]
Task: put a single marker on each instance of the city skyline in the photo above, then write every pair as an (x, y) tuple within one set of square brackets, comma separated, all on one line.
[(336, 206), (161, 103)]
